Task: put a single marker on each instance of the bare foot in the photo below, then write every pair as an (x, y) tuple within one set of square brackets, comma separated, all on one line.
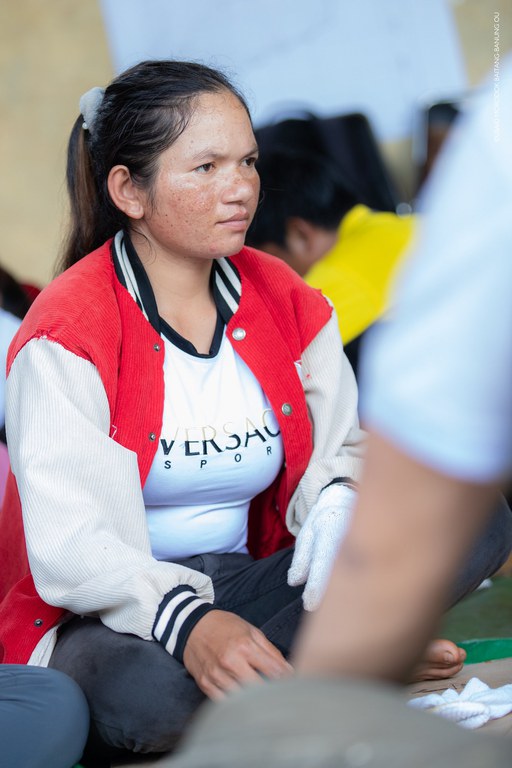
[(441, 659)]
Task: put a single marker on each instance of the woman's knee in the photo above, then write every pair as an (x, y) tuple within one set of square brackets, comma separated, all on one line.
[(489, 552), (140, 698)]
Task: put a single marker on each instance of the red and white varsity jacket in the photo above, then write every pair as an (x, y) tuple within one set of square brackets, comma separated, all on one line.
[(84, 413)]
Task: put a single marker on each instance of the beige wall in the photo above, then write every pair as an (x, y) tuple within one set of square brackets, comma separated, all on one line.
[(475, 22), (51, 51)]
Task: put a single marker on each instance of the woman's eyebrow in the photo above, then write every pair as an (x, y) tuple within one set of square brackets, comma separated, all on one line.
[(213, 154), (210, 154)]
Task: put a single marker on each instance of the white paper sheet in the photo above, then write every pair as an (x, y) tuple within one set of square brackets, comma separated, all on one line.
[(381, 57)]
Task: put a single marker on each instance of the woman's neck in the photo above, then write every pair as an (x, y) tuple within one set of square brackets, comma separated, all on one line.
[(182, 293)]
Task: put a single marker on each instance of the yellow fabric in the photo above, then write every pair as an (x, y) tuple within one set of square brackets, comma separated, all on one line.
[(357, 272)]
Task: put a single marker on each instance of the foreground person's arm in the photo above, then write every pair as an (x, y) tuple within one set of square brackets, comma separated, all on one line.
[(411, 529)]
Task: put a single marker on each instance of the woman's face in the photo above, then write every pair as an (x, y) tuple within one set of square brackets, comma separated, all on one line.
[(206, 188)]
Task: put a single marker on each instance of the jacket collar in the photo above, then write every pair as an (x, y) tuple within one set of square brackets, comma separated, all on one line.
[(225, 277)]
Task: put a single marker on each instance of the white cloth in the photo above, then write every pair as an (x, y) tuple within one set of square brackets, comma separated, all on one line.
[(474, 706), (219, 447), (436, 379), (318, 542)]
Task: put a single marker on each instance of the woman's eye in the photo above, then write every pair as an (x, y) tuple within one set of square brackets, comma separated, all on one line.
[(205, 168), (250, 162)]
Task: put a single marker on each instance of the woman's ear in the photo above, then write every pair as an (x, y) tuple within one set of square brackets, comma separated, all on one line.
[(301, 241), (307, 243), (125, 195)]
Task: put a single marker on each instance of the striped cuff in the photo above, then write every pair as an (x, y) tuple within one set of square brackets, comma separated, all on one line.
[(342, 481), (177, 615)]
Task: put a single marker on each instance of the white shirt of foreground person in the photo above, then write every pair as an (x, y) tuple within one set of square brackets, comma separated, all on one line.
[(436, 377)]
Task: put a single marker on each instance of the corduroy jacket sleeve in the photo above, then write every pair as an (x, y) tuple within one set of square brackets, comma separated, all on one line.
[(83, 510)]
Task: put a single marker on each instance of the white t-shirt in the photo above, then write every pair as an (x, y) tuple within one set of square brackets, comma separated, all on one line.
[(436, 378), (220, 446)]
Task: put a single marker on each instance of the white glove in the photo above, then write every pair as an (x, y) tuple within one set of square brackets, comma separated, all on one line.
[(472, 707), (318, 542)]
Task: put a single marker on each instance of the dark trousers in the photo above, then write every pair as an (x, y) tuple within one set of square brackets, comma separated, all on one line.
[(489, 553), (141, 699)]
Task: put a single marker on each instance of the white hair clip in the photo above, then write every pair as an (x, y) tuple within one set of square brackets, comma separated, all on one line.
[(89, 105)]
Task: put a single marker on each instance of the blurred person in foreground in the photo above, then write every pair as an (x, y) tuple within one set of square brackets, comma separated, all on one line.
[(440, 427), (437, 397)]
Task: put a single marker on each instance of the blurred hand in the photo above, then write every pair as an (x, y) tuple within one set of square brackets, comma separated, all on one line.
[(224, 652)]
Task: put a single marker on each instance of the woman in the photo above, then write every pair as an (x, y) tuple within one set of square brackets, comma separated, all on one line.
[(178, 405), (160, 394)]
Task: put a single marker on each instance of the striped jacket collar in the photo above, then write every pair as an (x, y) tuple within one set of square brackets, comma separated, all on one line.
[(225, 277)]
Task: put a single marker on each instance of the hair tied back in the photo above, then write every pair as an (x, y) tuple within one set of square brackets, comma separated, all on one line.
[(89, 105)]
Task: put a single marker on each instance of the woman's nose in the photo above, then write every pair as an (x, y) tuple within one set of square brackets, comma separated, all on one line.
[(241, 186)]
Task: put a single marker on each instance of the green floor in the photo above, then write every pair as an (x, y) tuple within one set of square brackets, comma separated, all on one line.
[(485, 613)]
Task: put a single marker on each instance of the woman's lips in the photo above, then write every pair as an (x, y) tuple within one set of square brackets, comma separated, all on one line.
[(237, 223)]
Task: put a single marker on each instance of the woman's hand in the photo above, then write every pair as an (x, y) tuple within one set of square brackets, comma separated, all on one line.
[(224, 652)]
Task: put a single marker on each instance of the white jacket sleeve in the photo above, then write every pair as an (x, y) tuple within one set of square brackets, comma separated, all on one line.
[(83, 510), (338, 442)]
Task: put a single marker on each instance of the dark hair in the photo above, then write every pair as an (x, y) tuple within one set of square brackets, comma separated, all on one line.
[(302, 184), (142, 113)]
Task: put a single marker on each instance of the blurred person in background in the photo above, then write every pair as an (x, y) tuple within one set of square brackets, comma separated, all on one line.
[(9, 324), (437, 400), (16, 297), (15, 300), (310, 217)]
